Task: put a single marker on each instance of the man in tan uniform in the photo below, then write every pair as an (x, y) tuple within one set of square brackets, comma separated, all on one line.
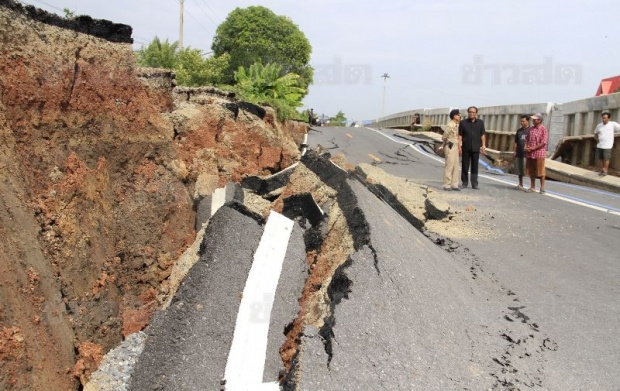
[(451, 152)]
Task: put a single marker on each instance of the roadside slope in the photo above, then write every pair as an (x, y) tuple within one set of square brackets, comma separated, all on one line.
[(101, 166)]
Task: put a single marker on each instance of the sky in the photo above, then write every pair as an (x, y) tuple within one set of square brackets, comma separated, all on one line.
[(437, 54)]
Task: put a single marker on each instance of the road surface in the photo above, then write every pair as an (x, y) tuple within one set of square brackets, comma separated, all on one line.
[(523, 293)]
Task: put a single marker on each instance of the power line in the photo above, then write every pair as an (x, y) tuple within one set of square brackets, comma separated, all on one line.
[(43, 2), (139, 38), (195, 20), (219, 19), (204, 12)]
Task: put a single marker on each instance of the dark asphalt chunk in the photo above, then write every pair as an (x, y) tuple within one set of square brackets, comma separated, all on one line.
[(286, 302), (188, 344), (303, 206), (203, 205), (264, 185), (336, 178)]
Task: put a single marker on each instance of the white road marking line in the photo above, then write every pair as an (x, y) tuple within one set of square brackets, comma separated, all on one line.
[(246, 360), (373, 157), (218, 198), (559, 197)]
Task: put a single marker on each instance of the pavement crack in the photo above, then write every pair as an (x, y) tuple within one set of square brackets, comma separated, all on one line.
[(330, 245), (516, 312), (339, 288), (400, 156), (375, 258)]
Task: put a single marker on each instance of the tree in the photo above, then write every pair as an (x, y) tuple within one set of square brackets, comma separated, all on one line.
[(338, 120), (68, 13), (191, 67), (158, 54), (194, 70), (263, 84), (256, 34)]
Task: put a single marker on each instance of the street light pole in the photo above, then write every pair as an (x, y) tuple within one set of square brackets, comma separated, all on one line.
[(385, 76)]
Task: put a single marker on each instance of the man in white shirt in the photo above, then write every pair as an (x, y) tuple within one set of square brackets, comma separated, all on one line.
[(604, 135)]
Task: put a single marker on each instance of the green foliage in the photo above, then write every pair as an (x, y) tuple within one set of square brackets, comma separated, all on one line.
[(158, 55), (191, 67), (338, 120), (263, 84), (256, 34), (427, 125), (195, 70), (68, 13)]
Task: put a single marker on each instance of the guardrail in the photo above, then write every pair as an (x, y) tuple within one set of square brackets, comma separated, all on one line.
[(564, 122)]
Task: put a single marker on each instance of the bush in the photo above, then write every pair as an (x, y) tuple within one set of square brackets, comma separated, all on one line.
[(427, 124)]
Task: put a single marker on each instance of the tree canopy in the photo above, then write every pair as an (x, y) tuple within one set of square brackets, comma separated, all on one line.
[(260, 55), (255, 34), (338, 120), (191, 66), (158, 54)]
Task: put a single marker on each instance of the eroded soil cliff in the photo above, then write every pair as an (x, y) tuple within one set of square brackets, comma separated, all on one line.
[(100, 167)]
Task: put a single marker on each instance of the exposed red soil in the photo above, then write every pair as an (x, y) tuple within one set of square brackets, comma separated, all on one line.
[(98, 164)]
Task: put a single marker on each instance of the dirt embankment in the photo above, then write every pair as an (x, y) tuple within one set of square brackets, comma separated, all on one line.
[(100, 164)]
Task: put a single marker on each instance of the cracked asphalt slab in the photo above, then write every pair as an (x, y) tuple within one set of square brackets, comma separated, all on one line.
[(415, 306), (557, 261), (413, 319), (188, 344)]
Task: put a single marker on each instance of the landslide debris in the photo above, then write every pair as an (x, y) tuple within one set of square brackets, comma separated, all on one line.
[(101, 164)]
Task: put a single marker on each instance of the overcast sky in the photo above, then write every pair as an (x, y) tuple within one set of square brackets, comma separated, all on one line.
[(437, 53)]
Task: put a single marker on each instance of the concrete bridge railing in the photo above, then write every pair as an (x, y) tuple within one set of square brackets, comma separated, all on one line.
[(570, 125)]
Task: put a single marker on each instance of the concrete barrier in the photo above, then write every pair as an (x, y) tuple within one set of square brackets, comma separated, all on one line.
[(564, 122)]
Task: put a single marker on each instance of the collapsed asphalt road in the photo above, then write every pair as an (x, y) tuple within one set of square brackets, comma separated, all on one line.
[(364, 300), (556, 257)]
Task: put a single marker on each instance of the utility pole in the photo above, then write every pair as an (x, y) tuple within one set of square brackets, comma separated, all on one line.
[(181, 25), (385, 76)]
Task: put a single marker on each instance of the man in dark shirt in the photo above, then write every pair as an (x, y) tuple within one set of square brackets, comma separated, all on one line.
[(472, 141), (519, 151)]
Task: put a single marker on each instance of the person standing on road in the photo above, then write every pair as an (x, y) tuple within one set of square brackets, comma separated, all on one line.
[(451, 152), (519, 149), (415, 121), (472, 141), (604, 135), (536, 153)]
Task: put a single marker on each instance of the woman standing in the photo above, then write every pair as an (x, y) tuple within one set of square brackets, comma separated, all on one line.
[(451, 152)]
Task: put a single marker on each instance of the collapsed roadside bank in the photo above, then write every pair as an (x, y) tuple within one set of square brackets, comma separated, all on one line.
[(339, 276), (102, 167)]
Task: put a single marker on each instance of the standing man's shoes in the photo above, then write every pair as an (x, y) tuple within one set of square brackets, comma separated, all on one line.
[(475, 187), (456, 188), (463, 186)]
